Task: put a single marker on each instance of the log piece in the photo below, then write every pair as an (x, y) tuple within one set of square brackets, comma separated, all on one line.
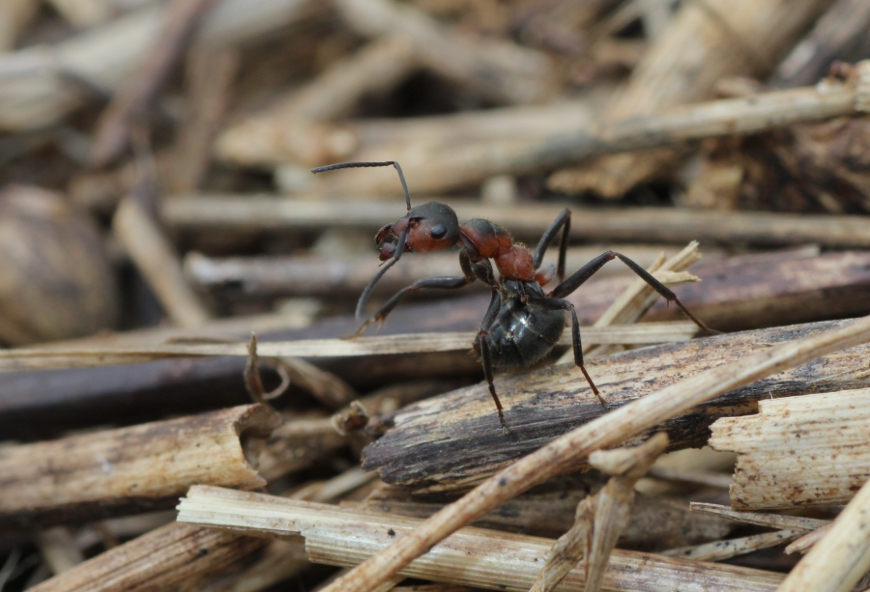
[(473, 556), (798, 452), (130, 469), (453, 441)]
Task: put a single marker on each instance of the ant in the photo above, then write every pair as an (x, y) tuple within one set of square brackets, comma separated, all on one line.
[(522, 324)]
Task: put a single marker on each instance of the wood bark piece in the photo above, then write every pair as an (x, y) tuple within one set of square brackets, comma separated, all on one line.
[(702, 44), (210, 213), (569, 450), (842, 27), (136, 468), (36, 87), (475, 557), (439, 169), (453, 440), (804, 451), (154, 256), (494, 70), (842, 557)]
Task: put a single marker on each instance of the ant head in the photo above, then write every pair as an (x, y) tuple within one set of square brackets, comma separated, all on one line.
[(431, 227)]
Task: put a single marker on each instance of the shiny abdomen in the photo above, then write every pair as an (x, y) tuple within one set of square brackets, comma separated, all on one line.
[(522, 334)]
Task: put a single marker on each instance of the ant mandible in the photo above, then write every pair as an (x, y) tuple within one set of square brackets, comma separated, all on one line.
[(522, 323)]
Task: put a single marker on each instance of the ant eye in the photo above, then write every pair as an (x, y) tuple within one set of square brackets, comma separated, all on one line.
[(438, 231)]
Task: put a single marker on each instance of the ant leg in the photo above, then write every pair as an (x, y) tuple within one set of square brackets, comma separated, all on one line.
[(588, 270), (443, 282), (486, 356), (559, 304), (400, 248), (563, 221)]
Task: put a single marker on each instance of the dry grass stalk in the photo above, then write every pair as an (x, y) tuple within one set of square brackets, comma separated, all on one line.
[(472, 557), (277, 136), (702, 44), (81, 477), (453, 441), (797, 452), (704, 478), (155, 258), (806, 542), (45, 358), (36, 90), (495, 70), (841, 27), (601, 518), (629, 306), (210, 74), (720, 550), (267, 213), (608, 430), (760, 519), (839, 560), (329, 277), (437, 170), (112, 134), (656, 523), (284, 133)]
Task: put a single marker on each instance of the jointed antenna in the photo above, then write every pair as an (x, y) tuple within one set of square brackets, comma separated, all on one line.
[(356, 165)]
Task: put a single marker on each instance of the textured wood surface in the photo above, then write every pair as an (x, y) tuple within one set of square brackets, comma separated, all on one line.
[(454, 440), (803, 451)]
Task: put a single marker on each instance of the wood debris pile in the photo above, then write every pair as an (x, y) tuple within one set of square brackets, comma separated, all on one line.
[(177, 290)]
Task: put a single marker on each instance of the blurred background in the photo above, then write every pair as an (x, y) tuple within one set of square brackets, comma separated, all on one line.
[(155, 179)]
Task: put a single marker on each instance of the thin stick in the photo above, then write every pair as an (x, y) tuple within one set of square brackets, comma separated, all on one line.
[(603, 432), (838, 561), (204, 213), (719, 550), (153, 254), (759, 518), (17, 359)]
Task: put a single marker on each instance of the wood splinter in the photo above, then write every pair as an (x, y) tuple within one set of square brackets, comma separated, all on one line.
[(600, 518)]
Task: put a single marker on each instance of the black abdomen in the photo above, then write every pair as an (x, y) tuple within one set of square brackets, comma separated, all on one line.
[(522, 334)]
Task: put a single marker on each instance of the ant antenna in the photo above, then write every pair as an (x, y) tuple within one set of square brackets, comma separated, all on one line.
[(356, 165)]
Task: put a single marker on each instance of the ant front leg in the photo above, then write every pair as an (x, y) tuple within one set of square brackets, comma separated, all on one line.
[(442, 282), (563, 221), (588, 270), (560, 304), (486, 356)]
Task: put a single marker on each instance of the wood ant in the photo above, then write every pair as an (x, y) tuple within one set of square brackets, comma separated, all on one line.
[(523, 323)]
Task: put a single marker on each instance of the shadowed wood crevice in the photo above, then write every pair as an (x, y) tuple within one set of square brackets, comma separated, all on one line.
[(453, 441)]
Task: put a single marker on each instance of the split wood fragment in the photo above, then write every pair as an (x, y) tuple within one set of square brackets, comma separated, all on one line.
[(797, 452), (572, 448), (452, 440), (473, 556), (600, 518), (140, 467), (719, 550)]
